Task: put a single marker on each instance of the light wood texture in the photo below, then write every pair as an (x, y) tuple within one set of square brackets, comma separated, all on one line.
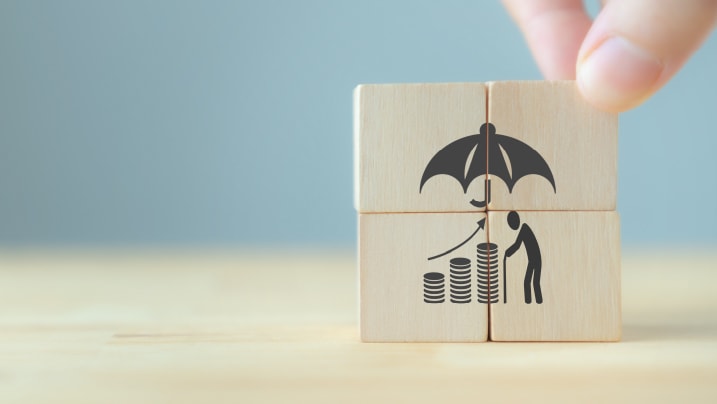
[(398, 129), (580, 277), (578, 142), (281, 326), (393, 259)]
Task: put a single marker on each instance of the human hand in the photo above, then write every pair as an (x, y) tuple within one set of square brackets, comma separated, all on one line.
[(630, 51)]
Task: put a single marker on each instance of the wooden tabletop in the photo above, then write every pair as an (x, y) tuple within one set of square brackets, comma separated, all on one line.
[(175, 327)]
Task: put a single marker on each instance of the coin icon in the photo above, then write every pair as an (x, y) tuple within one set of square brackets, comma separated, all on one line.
[(434, 287), (487, 273), (460, 270)]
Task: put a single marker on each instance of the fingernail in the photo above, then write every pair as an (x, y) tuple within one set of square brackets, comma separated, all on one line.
[(618, 75)]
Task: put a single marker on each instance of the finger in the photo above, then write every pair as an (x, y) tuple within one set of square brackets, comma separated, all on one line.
[(636, 46), (554, 30)]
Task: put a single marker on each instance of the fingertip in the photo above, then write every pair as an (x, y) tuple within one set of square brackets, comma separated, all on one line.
[(618, 75), (625, 59)]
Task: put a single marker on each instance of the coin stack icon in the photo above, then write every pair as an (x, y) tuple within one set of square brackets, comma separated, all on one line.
[(434, 286), (460, 280), (487, 273)]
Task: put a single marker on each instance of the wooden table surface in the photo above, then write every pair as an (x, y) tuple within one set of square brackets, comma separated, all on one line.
[(262, 326)]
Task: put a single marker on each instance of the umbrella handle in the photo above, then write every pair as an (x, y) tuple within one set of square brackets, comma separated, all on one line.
[(482, 204)]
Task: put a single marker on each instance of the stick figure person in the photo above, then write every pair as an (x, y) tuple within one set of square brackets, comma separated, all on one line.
[(532, 272)]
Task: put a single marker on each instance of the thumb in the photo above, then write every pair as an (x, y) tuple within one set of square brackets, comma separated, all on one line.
[(635, 46)]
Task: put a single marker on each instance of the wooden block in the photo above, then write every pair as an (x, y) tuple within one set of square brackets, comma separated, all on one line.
[(407, 297), (556, 152), (577, 257), (398, 131)]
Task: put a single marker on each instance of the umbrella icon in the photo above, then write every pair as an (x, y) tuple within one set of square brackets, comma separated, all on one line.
[(507, 158)]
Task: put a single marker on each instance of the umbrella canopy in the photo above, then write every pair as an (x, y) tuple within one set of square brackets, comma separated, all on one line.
[(506, 158)]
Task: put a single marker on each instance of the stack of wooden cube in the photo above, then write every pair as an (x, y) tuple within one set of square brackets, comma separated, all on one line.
[(486, 212)]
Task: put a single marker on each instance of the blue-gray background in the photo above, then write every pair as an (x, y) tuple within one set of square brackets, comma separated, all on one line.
[(229, 122)]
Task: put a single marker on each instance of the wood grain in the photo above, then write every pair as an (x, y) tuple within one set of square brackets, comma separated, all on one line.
[(393, 259), (578, 142), (580, 278), (280, 325), (398, 129)]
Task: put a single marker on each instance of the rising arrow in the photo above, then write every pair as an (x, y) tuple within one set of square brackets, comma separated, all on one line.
[(481, 224)]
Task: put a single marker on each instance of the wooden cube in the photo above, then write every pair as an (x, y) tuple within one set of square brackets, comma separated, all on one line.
[(558, 276), (441, 168), (398, 130), (551, 149), (407, 295)]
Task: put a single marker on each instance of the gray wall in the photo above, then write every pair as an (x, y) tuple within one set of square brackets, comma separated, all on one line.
[(226, 123)]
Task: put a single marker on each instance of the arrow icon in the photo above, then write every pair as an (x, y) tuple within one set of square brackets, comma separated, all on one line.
[(481, 225)]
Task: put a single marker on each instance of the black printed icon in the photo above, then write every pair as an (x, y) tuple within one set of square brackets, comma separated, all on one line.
[(434, 290), (487, 282), (481, 225), (466, 159), (503, 156), (461, 284), (460, 280), (526, 237), (434, 283)]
